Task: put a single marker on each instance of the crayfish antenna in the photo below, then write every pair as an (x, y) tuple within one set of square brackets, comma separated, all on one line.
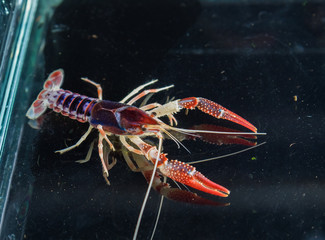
[(158, 213), (226, 155), (148, 190), (191, 131), (178, 143)]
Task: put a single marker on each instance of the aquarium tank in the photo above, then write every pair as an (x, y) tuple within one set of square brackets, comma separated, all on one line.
[(264, 60)]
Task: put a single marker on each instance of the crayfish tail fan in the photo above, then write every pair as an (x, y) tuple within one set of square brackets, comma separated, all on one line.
[(39, 106), (54, 80)]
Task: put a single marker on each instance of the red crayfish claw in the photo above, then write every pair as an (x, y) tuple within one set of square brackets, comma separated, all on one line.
[(215, 110), (188, 175), (180, 171)]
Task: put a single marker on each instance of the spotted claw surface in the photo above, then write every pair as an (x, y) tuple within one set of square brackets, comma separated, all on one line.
[(215, 110), (188, 175)]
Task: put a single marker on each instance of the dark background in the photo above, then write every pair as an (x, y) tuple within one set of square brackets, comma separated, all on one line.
[(251, 58)]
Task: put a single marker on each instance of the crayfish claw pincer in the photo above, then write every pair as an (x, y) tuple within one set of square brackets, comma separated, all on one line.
[(180, 195), (188, 175), (215, 110)]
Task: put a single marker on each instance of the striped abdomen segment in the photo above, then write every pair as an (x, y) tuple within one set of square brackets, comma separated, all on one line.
[(70, 104)]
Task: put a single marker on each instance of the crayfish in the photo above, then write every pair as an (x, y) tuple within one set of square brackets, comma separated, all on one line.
[(131, 125)]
